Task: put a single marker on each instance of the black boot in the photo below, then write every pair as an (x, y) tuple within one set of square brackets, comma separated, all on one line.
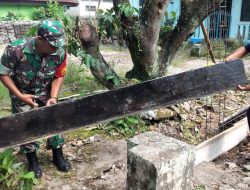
[(33, 164), (59, 161)]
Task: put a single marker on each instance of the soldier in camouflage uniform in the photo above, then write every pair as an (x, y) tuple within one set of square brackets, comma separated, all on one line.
[(33, 71)]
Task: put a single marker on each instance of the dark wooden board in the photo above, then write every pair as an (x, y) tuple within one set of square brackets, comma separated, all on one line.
[(165, 91)]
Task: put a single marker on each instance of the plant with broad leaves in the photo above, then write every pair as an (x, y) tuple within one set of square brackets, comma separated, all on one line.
[(128, 10), (169, 22), (128, 126), (12, 174), (52, 10)]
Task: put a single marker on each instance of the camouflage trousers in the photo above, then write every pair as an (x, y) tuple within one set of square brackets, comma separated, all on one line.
[(53, 142)]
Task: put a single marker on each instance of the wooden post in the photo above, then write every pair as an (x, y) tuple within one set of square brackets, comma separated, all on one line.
[(207, 40)]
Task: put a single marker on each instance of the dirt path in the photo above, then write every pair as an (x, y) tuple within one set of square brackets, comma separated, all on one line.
[(98, 164)]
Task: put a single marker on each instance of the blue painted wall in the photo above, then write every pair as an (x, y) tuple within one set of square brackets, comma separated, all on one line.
[(235, 19), (134, 3), (174, 5), (236, 26)]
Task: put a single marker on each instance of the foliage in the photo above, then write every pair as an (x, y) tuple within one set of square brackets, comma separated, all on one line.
[(39, 13), (108, 22), (52, 10), (169, 22), (128, 10), (12, 16), (190, 132), (127, 127), (12, 174)]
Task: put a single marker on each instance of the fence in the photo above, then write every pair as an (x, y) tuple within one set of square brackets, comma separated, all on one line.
[(217, 24), (244, 32)]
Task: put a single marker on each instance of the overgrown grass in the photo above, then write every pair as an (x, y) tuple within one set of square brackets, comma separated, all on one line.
[(112, 48), (5, 105), (79, 80)]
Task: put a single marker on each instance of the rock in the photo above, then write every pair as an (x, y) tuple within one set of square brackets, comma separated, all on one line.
[(148, 115), (246, 168), (176, 109), (77, 143), (231, 165), (66, 187), (94, 138), (159, 162), (176, 119), (70, 156), (243, 186), (226, 187), (164, 114), (187, 106), (246, 180)]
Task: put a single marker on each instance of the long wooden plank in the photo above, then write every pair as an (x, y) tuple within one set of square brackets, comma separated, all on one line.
[(221, 143), (165, 91)]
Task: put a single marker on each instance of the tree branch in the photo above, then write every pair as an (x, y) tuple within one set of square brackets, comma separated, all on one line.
[(191, 10), (100, 69)]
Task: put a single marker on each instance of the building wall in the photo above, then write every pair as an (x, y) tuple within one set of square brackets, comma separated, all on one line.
[(238, 27), (235, 19), (83, 10), (174, 5), (26, 10)]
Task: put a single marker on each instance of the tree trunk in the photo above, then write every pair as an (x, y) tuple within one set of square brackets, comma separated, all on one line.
[(100, 69), (188, 21), (151, 54)]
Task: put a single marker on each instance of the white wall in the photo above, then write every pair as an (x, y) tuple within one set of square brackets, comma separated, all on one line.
[(82, 11)]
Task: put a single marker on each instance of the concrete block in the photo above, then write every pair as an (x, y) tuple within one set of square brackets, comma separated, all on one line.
[(157, 162)]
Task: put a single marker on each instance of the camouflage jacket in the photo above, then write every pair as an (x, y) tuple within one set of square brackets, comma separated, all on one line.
[(30, 73)]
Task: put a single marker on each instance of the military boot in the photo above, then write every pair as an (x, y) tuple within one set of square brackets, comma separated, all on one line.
[(59, 160), (33, 164)]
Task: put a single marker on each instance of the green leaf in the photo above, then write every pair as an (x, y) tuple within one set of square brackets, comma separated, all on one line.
[(127, 11), (10, 182), (35, 181), (88, 60), (32, 31), (132, 120), (108, 77), (29, 175)]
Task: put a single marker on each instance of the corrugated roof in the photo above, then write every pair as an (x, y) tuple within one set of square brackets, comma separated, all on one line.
[(64, 2)]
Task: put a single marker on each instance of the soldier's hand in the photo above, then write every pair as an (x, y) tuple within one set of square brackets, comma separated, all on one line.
[(51, 101), (29, 99), (243, 87)]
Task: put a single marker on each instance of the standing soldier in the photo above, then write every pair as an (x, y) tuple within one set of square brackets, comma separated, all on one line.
[(240, 53), (33, 71)]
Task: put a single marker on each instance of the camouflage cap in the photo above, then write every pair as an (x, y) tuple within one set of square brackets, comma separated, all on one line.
[(52, 31)]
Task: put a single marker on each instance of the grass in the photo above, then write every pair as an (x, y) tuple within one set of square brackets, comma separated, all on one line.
[(112, 48), (79, 80), (5, 106)]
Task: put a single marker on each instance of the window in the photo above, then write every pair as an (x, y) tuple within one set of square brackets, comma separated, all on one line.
[(90, 8), (245, 13)]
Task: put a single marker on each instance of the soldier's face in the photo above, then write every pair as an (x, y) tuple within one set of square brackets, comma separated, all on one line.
[(48, 48)]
